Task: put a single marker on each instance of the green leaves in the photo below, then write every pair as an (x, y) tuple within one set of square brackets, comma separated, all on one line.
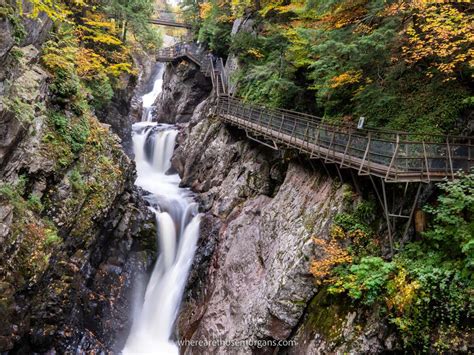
[(364, 281), (427, 287), (453, 224)]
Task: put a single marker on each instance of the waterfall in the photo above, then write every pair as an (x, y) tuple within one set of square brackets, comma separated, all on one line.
[(177, 221), (150, 98)]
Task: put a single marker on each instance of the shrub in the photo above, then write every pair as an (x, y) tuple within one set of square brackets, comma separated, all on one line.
[(34, 203), (427, 288), (101, 91), (52, 237), (73, 131), (364, 281)]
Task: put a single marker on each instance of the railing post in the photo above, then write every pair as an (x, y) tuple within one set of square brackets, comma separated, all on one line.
[(395, 152), (281, 124), (369, 140), (330, 144), (347, 147), (450, 158), (316, 142), (293, 137), (426, 161), (305, 138), (269, 127)]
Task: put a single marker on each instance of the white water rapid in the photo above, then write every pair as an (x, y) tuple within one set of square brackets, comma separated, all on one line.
[(178, 230)]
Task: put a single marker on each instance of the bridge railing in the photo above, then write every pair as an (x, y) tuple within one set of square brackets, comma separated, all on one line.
[(188, 49), (393, 156)]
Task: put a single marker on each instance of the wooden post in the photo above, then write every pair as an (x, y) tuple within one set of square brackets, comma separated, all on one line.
[(387, 218), (330, 144), (305, 138), (415, 202)]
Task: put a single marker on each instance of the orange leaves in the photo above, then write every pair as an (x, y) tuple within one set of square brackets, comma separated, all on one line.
[(334, 255)]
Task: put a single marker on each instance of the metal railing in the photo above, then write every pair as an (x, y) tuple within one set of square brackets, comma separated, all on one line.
[(393, 156), (169, 22)]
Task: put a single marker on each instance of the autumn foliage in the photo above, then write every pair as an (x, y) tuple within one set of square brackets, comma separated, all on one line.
[(402, 64)]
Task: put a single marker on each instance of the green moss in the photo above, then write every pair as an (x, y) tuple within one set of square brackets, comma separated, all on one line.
[(326, 315), (94, 180), (23, 111)]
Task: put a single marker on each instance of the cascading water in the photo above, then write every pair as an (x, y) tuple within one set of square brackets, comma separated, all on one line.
[(178, 230), (149, 98)]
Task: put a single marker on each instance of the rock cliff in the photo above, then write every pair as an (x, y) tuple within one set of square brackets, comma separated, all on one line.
[(184, 87), (250, 278), (74, 232)]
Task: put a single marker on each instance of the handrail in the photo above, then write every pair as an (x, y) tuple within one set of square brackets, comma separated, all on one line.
[(391, 155)]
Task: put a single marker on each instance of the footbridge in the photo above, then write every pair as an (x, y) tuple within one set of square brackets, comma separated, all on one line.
[(393, 157), (168, 19)]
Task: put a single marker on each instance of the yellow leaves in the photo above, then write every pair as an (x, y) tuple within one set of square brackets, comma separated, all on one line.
[(55, 10), (337, 232), (256, 53), (346, 78), (98, 29), (334, 255), (271, 6), (403, 292), (89, 63), (61, 54), (106, 25), (117, 69), (104, 39), (205, 10), (441, 35)]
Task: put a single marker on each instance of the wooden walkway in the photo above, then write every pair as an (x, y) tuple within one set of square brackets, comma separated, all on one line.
[(392, 156)]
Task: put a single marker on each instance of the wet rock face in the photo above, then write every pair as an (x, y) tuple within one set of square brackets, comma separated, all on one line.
[(184, 87), (117, 112), (87, 297), (258, 284)]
